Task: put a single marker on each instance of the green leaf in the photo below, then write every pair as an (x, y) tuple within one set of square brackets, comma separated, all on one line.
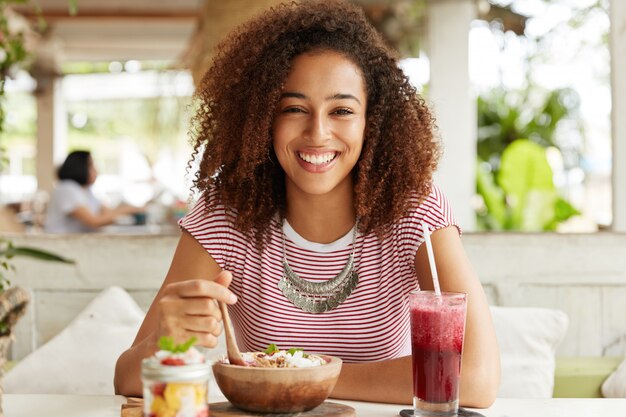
[(292, 351), (167, 343), (4, 283), (524, 168), (563, 210), (73, 7), (34, 253), (539, 211), (185, 346), (492, 195), (271, 348)]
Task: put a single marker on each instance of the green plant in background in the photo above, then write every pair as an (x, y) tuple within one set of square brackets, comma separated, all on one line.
[(7, 252), (522, 195), (514, 177)]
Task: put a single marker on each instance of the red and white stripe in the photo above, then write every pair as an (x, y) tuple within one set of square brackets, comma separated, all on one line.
[(373, 322)]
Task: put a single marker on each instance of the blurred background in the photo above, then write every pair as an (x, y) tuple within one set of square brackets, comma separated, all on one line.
[(521, 90)]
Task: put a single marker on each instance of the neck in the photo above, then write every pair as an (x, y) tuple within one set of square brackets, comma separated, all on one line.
[(321, 218)]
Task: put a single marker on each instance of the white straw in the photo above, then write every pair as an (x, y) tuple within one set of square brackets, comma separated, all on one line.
[(431, 258)]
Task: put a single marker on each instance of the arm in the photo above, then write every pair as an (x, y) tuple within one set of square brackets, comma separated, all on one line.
[(105, 217), (480, 366), (391, 381), (183, 307)]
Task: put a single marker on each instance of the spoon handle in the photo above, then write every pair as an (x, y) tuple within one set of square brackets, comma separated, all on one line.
[(234, 356)]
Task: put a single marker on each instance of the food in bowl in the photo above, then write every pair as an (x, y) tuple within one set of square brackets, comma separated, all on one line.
[(278, 389), (273, 357)]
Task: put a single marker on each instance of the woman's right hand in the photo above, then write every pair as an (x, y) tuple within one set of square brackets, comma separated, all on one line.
[(181, 309), (188, 308)]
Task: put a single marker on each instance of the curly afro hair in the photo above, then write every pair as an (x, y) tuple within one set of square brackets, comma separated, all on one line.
[(237, 98)]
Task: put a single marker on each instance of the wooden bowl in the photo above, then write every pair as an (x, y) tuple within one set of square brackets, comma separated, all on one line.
[(277, 390)]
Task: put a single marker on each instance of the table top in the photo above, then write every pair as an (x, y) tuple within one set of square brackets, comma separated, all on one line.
[(23, 405)]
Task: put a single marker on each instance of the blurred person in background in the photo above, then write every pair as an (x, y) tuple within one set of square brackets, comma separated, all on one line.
[(73, 208)]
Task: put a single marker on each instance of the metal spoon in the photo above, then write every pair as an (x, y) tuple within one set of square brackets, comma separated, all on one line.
[(234, 356)]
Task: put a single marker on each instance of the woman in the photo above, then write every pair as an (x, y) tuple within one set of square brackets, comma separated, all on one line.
[(316, 156), (73, 208)]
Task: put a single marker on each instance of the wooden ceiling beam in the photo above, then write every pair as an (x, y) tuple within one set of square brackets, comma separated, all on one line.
[(52, 15)]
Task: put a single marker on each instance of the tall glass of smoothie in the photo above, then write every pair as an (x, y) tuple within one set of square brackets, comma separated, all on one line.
[(437, 331)]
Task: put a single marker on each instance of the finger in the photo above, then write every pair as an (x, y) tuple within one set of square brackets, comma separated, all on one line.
[(202, 324), (224, 278), (203, 339), (203, 288), (197, 307), (175, 310), (181, 329)]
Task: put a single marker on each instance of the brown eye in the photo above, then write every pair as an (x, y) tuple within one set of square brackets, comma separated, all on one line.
[(293, 110), (343, 112)]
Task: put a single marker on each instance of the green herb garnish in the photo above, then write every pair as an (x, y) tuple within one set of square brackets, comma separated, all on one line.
[(167, 343), (271, 349), (293, 351)]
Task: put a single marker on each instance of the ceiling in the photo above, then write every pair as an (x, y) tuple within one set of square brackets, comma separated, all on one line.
[(104, 30), (108, 30)]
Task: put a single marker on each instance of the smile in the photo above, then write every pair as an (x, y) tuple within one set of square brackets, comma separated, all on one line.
[(318, 159)]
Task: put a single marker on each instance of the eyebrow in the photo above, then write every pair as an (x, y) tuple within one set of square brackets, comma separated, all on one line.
[(338, 96)]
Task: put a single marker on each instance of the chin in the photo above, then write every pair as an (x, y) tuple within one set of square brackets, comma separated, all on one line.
[(320, 184), (316, 188)]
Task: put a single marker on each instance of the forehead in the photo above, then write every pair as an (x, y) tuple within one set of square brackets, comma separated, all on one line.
[(323, 71)]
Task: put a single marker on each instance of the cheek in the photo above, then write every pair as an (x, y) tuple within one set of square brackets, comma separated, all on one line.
[(280, 135), (278, 143), (357, 136)]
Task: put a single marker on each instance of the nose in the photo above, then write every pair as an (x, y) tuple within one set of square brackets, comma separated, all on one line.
[(318, 129)]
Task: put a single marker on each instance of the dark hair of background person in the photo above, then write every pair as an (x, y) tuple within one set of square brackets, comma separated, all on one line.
[(237, 98), (75, 167)]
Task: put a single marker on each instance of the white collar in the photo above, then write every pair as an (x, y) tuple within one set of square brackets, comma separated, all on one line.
[(339, 244)]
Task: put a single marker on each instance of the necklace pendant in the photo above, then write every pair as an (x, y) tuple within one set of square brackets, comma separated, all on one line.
[(319, 297), (311, 301)]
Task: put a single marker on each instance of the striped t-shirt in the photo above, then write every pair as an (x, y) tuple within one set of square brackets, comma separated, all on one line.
[(372, 324)]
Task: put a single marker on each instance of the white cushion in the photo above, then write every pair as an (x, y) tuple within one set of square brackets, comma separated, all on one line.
[(81, 359), (528, 338), (615, 385)]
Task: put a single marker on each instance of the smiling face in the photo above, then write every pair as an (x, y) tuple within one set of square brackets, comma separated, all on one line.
[(319, 123)]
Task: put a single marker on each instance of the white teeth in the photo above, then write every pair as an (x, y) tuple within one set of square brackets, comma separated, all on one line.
[(318, 159)]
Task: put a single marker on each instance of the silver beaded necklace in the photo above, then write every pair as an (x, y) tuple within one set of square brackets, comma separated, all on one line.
[(319, 297)]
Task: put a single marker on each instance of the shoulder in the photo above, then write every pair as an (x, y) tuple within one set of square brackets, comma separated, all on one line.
[(208, 216), (212, 225), (208, 207), (432, 208), (435, 200), (68, 186), (69, 193)]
